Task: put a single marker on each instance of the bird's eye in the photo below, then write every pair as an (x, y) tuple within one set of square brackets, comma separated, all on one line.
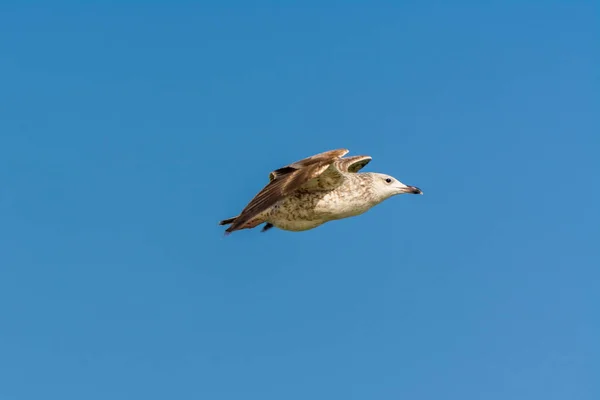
[(388, 180)]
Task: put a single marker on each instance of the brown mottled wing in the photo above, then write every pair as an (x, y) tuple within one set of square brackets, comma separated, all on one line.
[(327, 156), (284, 181), (353, 164)]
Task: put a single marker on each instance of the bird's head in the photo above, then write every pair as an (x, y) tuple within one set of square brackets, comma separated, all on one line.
[(387, 186)]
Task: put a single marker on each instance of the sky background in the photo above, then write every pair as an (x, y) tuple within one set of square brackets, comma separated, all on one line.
[(127, 132)]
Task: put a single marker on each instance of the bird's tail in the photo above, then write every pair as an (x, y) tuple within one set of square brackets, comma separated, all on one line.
[(228, 221)]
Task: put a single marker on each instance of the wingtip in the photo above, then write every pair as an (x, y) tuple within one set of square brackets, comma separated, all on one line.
[(336, 153)]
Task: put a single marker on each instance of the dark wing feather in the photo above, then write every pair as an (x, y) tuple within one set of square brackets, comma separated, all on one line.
[(284, 181)]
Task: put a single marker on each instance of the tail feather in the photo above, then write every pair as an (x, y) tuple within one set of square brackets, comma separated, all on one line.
[(227, 221), (247, 225)]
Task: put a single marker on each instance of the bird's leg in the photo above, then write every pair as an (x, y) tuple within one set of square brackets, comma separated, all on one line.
[(266, 227)]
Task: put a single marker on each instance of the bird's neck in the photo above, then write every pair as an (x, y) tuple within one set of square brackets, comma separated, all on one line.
[(363, 189)]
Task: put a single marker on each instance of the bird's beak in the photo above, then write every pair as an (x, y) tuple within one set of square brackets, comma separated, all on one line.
[(412, 190)]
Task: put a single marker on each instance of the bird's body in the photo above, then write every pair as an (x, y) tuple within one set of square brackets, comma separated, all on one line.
[(307, 209), (316, 190)]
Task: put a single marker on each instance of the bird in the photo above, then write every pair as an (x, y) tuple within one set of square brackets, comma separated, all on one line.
[(315, 190)]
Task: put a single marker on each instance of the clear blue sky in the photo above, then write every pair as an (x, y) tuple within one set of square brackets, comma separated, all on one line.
[(128, 132)]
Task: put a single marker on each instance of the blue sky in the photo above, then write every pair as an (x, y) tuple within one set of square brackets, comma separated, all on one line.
[(128, 132)]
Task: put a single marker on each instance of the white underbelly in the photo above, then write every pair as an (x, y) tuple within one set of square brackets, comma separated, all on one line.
[(295, 225), (305, 212)]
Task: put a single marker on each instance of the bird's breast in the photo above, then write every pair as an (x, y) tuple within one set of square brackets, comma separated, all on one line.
[(306, 210)]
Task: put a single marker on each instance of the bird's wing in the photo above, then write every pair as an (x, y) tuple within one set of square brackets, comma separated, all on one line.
[(328, 157), (353, 164), (285, 180)]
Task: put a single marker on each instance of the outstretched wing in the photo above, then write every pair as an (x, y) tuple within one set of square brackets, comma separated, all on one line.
[(285, 180), (353, 164), (327, 157)]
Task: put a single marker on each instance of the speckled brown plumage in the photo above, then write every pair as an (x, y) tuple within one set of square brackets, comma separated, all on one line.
[(315, 190)]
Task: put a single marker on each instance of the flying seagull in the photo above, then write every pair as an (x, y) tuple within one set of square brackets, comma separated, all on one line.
[(316, 190)]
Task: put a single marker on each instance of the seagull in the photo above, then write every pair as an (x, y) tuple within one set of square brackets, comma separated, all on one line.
[(315, 190)]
